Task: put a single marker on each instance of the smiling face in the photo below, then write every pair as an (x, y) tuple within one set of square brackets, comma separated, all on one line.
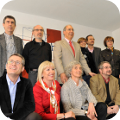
[(106, 70), (83, 43), (9, 26), (69, 32), (48, 73), (14, 66), (76, 72)]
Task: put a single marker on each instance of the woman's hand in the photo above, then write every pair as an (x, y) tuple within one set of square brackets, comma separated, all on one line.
[(91, 112), (69, 114)]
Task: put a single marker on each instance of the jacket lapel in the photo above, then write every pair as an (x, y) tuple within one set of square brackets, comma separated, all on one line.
[(68, 46), (18, 94), (3, 44), (6, 93)]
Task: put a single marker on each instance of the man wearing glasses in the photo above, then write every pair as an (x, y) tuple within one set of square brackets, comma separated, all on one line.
[(35, 52), (9, 43), (105, 88), (16, 94)]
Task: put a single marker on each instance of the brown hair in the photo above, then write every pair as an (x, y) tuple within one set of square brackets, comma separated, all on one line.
[(108, 38), (80, 39), (9, 16)]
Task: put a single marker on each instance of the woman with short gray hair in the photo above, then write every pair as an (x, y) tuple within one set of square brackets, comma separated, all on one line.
[(75, 92)]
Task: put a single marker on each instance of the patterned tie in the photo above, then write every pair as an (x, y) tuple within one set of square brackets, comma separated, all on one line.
[(72, 47)]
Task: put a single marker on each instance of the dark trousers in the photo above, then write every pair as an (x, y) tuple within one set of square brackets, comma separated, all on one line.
[(33, 116), (33, 77), (101, 110)]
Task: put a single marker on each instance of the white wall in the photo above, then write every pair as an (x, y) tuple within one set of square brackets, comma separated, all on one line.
[(116, 36), (28, 20)]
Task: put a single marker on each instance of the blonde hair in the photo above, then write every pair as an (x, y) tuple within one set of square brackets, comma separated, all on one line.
[(42, 67)]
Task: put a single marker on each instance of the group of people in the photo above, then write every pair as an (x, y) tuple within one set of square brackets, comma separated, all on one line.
[(85, 89)]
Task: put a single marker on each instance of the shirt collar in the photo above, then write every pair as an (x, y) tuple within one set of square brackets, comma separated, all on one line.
[(8, 36), (91, 50), (106, 80), (9, 81), (67, 40)]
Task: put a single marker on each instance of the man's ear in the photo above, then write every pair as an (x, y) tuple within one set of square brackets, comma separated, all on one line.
[(100, 71), (23, 69)]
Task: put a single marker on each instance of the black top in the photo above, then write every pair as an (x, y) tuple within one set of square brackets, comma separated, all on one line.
[(35, 53), (108, 99), (89, 59)]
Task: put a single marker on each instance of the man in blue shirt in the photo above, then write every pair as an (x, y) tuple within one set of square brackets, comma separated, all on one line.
[(16, 94)]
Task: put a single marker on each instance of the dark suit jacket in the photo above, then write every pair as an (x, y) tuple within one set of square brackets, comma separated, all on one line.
[(24, 100), (3, 54), (96, 58)]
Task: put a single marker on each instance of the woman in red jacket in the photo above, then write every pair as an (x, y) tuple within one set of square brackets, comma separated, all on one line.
[(47, 94)]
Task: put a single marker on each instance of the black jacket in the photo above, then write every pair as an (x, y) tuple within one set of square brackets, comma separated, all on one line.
[(24, 100), (113, 59)]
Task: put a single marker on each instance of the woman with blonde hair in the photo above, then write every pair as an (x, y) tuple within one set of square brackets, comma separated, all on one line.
[(47, 94)]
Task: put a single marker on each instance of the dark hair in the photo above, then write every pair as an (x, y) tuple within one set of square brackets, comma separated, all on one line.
[(9, 16), (108, 38), (80, 39), (88, 36)]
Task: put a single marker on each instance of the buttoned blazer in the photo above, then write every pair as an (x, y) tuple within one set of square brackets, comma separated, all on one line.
[(24, 100), (98, 88), (63, 55), (97, 52), (3, 54)]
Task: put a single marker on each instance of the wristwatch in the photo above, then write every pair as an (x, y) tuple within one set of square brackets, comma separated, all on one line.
[(86, 112)]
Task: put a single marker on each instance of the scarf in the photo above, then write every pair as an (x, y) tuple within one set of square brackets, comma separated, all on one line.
[(54, 97)]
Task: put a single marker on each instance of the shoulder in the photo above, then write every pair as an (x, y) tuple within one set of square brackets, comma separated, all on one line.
[(67, 84), (113, 78), (28, 43), (46, 44), (117, 51), (25, 81), (59, 42), (18, 38), (96, 77), (97, 48)]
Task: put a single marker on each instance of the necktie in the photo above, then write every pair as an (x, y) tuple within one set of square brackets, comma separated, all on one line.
[(72, 47)]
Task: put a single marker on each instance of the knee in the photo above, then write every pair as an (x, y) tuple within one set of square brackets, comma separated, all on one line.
[(34, 116), (101, 106)]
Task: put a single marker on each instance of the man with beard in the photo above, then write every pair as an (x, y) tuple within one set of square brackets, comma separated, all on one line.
[(93, 54), (35, 52), (105, 88)]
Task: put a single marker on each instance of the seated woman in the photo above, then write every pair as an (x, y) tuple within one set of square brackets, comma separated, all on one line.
[(47, 94), (75, 92)]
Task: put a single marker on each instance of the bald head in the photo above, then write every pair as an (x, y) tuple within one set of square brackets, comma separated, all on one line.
[(38, 33)]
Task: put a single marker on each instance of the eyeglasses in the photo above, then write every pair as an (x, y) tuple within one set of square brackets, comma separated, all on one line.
[(109, 41), (38, 30), (70, 30), (16, 62), (107, 67)]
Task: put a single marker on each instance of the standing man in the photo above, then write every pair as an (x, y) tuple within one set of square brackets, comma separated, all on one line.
[(35, 52), (16, 93), (9, 44), (105, 88), (66, 51), (93, 54)]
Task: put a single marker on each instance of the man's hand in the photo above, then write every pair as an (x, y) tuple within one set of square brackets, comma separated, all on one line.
[(109, 110), (92, 74), (63, 77), (115, 108)]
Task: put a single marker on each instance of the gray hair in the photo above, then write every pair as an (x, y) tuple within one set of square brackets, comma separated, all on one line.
[(101, 64), (64, 29), (69, 67), (16, 54)]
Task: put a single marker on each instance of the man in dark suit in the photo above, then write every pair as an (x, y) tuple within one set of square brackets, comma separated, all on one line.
[(9, 44), (16, 94), (94, 54)]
